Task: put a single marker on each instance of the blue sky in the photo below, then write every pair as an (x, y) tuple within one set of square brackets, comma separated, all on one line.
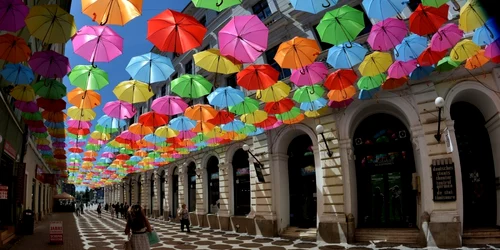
[(134, 39)]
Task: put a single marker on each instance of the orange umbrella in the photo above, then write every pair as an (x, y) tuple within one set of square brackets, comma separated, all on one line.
[(14, 49), (255, 77), (54, 116), (394, 83), (297, 53), (477, 60), (200, 112), (117, 12), (153, 119), (84, 99), (203, 127), (141, 153), (140, 129), (341, 79), (341, 95), (294, 120)]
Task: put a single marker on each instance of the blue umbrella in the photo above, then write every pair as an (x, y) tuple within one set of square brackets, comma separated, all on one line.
[(383, 9), (346, 56), (111, 123), (314, 105), (105, 160), (135, 158), (410, 48), (54, 139), (367, 94), (233, 126), (486, 34), (55, 125), (226, 96), (153, 138), (150, 68), (421, 72), (18, 74), (199, 145), (313, 6), (74, 156), (182, 123), (258, 131), (110, 149)]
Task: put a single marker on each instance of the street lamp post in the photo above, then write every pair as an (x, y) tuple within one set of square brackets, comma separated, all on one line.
[(246, 148), (321, 131), (439, 102)]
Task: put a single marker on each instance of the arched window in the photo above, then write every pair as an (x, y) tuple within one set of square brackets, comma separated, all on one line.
[(241, 183), (213, 185), (191, 174)]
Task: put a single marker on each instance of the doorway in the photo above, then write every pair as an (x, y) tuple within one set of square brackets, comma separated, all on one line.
[(384, 167), (175, 192), (241, 183), (213, 185), (476, 161), (302, 183), (162, 191), (191, 174)]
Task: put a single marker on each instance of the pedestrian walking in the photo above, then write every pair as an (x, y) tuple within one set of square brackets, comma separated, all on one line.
[(137, 228), (81, 207), (112, 211), (184, 216), (77, 209), (99, 211), (106, 207), (117, 209)]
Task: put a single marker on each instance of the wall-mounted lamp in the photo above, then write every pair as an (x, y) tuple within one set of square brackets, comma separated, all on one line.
[(246, 148), (439, 102), (321, 130)]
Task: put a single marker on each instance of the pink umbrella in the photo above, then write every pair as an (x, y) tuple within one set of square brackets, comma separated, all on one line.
[(49, 64), (12, 15), (169, 105), (387, 33), (176, 156), (314, 73), (79, 124), (59, 144), (492, 50), (340, 105), (401, 69), (446, 37), (108, 155), (244, 38), (38, 129), (119, 109), (97, 43), (97, 142), (77, 143), (127, 136), (29, 107), (186, 134), (214, 140)]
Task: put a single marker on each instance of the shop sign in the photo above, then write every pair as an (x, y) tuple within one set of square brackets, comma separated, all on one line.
[(39, 174), (443, 180), (4, 192), (258, 172), (9, 150), (56, 232)]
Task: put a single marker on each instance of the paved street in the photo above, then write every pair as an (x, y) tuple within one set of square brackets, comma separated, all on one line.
[(90, 232)]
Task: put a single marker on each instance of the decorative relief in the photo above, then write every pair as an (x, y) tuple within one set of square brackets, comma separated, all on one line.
[(223, 167), (199, 172)]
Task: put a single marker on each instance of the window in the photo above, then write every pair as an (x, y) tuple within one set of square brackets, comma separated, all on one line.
[(413, 4), (261, 9), (206, 47), (188, 67), (231, 81), (368, 22), (284, 73), (203, 21), (164, 90), (174, 76), (205, 100), (322, 45)]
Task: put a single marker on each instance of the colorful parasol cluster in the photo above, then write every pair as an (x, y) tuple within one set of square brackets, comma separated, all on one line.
[(103, 152)]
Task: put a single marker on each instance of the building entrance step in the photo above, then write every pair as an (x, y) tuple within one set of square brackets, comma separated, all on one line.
[(388, 236), (305, 234), (481, 237)]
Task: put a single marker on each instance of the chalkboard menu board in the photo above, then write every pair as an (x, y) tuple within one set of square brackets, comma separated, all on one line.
[(443, 180)]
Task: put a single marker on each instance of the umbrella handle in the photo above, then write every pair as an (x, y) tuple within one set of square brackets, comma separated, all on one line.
[(303, 70), (312, 91), (328, 4), (396, 52), (219, 4), (399, 17), (456, 56), (349, 45)]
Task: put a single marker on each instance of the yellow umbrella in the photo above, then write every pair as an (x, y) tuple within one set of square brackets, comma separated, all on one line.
[(255, 117), (375, 64), (464, 50), (316, 113), (42, 141), (211, 60), (23, 93), (117, 12), (100, 136), (274, 93), (215, 132), (472, 16), (166, 132), (50, 24), (115, 144), (81, 114), (133, 91)]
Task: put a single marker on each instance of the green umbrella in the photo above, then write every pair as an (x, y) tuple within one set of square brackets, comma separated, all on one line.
[(79, 137), (371, 82), (294, 112), (162, 144), (199, 138), (191, 86), (217, 5), (36, 116), (341, 25), (108, 130), (93, 147), (50, 89), (248, 129), (248, 105), (154, 155), (446, 64), (308, 93), (88, 77), (434, 3), (126, 151)]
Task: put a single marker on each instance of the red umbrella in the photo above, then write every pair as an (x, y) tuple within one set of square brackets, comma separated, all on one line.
[(52, 105), (270, 121), (430, 57), (394, 83), (255, 77), (222, 117), (279, 107), (79, 131), (173, 31), (426, 20), (153, 119), (75, 150), (341, 79)]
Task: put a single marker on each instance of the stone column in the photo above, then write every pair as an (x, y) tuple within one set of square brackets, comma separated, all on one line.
[(166, 200), (156, 198), (144, 192), (201, 196), (183, 185), (225, 196)]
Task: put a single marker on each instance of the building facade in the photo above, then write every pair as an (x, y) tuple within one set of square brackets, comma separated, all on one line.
[(383, 176)]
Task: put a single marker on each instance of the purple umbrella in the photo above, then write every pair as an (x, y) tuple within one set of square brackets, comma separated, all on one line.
[(43, 147), (401, 69), (119, 109), (29, 107), (38, 129), (314, 73), (186, 134), (12, 15), (59, 144), (386, 34), (97, 43), (77, 143), (108, 155), (49, 64), (446, 37)]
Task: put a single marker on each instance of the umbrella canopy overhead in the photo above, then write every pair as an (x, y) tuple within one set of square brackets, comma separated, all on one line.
[(114, 12), (97, 43), (50, 24)]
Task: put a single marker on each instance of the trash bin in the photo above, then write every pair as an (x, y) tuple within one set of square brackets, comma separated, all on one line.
[(28, 223)]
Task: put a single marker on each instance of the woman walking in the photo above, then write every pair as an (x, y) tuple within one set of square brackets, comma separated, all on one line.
[(184, 216), (137, 227), (99, 210), (112, 211)]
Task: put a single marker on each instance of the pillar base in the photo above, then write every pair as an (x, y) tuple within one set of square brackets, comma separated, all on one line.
[(333, 232), (225, 223), (202, 220), (213, 221), (242, 224), (268, 228), (194, 219), (446, 234)]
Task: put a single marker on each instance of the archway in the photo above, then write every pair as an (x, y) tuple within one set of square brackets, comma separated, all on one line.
[(191, 174), (213, 185), (477, 165), (384, 167), (175, 192), (302, 182), (162, 192), (152, 193), (241, 183)]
